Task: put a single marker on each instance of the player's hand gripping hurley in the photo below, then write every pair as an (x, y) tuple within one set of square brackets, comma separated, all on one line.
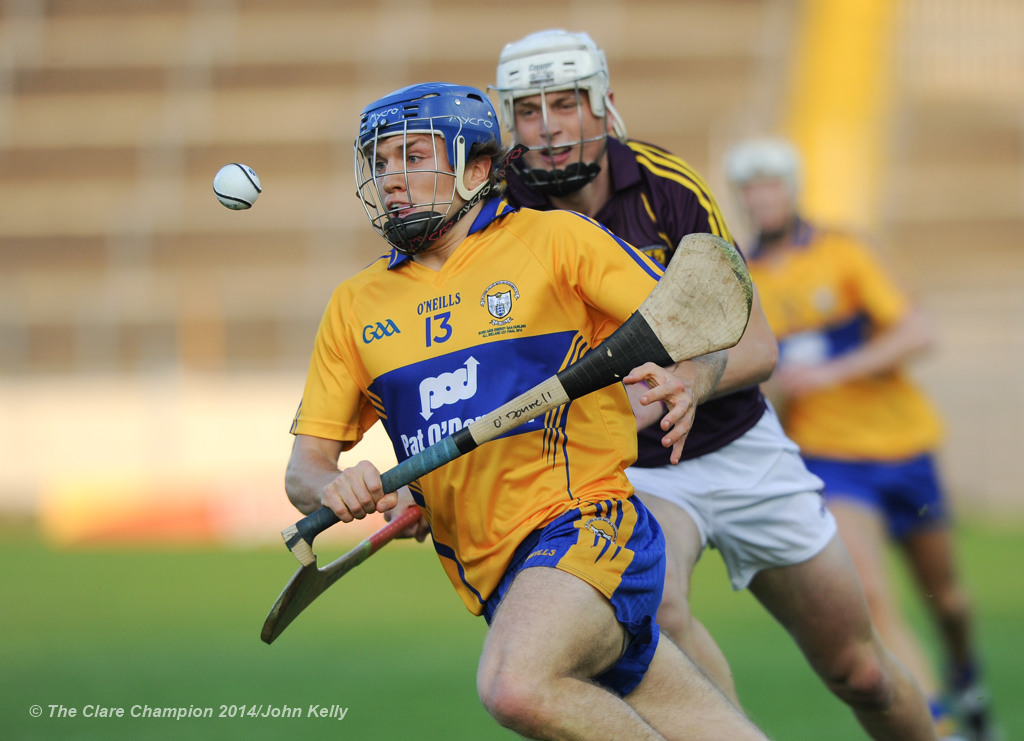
[(700, 305)]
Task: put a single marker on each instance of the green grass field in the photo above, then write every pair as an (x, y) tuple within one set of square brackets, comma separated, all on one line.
[(390, 643)]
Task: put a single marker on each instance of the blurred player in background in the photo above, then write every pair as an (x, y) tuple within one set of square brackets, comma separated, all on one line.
[(845, 330), (741, 485), (538, 530)]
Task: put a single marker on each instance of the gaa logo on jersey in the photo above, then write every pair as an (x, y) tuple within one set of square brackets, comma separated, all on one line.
[(497, 298), (379, 331)]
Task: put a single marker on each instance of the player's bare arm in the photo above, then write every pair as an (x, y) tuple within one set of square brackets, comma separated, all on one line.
[(313, 480), (312, 465), (753, 358), (670, 396), (886, 351)]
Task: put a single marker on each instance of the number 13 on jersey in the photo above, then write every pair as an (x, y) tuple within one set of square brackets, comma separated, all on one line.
[(438, 328)]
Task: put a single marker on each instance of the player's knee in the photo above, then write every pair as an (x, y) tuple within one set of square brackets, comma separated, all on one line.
[(862, 679), (515, 701), (675, 618)]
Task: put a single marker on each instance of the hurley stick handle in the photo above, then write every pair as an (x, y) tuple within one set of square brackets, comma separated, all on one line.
[(299, 537)]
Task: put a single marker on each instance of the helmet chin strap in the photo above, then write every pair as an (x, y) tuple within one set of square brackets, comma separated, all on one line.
[(407, 234), (562, 182), (415, 233), (772, 236), (558, 183)]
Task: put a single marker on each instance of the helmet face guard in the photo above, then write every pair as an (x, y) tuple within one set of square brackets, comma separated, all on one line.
[(548, 62), (559, 182), (453, 118), (416, 231)]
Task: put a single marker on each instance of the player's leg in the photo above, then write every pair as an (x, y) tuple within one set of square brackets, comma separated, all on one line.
[(872, 503), (866, 538), (920, 523), (681, 703), (551, 634), (754, 499), (930, 554), (821, 603), (573, 632), (682, 550)]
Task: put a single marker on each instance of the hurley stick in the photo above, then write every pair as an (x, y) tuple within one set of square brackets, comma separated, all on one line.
[(700, 305)]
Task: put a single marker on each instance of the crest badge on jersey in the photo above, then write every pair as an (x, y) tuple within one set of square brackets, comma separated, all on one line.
[(499, 304), (498, 299)]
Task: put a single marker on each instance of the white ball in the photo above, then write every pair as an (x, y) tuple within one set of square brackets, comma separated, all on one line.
[(237, 186)]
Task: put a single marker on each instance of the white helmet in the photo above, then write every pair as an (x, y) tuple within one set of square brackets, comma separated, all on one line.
[(775, 158), (550, 61)]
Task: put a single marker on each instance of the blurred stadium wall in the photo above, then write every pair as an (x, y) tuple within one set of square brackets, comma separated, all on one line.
[(153, 344)]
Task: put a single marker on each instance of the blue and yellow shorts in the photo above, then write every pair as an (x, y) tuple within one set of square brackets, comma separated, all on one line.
[(618, 548)]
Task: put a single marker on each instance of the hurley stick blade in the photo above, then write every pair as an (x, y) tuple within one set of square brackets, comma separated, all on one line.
[(305, 586), (309, 582), (702, 303)]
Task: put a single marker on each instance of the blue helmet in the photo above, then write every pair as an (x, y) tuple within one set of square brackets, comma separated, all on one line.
[(462, 116), (453, 111)]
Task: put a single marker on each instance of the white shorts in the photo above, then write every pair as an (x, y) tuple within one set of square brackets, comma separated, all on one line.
[(753, 500)]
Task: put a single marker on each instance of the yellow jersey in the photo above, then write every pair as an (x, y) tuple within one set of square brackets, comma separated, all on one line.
[(522, 297), (826, 297)]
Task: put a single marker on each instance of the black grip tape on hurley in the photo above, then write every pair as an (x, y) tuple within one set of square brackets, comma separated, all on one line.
[(632, 344)]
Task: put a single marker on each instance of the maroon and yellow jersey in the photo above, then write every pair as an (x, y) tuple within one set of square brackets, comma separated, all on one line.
[(657, 199)]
